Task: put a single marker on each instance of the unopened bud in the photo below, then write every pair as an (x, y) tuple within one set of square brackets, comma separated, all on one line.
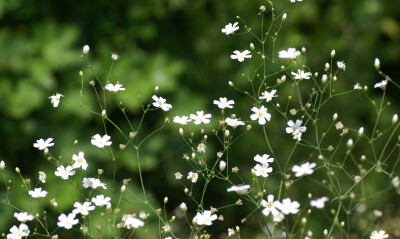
[(85, 49), (104, 114), (284, 16), (165, 200), (349, 143), (333, 52), (180, 131), (335, 116), (227, 133), (2, 165), (324, 78), (395, 118), (377, 63), (327, 66), (251, 46), (231, 83), (360, 131), (183, 207), (123, 188), (222, 165), (17, 170), (80, 73)]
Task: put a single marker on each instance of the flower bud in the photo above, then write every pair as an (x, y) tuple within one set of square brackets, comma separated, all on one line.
[(327, 66), (227, 133), (80, 73), (333, 52), (335, 116), (324, 78), (123, 188), (85, 49), (231, 83), (377, 63), (104, 114), (165, 200), (222, 165), (395, 118), (2, 165), (183, 207), (349, 143), (325, 232), (17, 170), (114, 56), (284, 16), (360, 131), (251, 46), (180, 131)]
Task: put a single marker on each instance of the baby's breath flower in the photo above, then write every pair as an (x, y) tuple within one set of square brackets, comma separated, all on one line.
[(114, 88), (319, 202), (85, 49), (222, 165), (377, 63), (55, 99), (300, 75), (289, 207), (341, 65), (23, 216), (41, 144), (206, 218), (160, 102), (291, 53), (131, 222), (357, 86), (178, 175), (200, 117), (381, 84), (379, 235), (239, 189), (304, 169), (114, 56), (240, 55), (230, 28), (42, 176), (224, 103), (260, 114), (267, 96), (193, 177), (100, 142), (183, 207)]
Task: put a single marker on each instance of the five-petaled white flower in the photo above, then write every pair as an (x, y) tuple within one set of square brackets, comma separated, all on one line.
[(381, 84), (239, 189), (18, 232), (41, 144), (234, 122), (295, 129), (341, 65), (295, 0), (114, 88), (319, 202), (55, 99), (267, 96), (79, 161), (260, 114), (23, 216), (263, 159), (224, 103), (131, 222), (230, 28), (240, 55), (160, 102), (378, 235), (93, 183), (304, 169), (289, 207), (205, 218), (37, 193), (64, 172), (100, 142), (291, 53), (262, 170), (193, 177), (271, 206), (183, 120), (83, 208), (67, 222), (100, 201), (200, 117), (301, 75)]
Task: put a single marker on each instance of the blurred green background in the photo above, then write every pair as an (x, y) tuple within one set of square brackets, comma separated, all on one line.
[(177, 45)]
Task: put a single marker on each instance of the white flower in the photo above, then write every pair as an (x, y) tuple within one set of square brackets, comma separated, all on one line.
[(222, 165), (201, 148), (42, 176), (381, 84), (79, 161), (41, 144), (301, 75), (100, 142), (289, 207), (263, 159), (114, 88), (231, 232), (183, 207), (291, 53), (200, 117), (295, 0), (18, 232), (23, 216), (341, 65), (55, 99), (241, 55), (178, 175), (271, 206), (304, 169), (395, 118), (160, 102), (100, 201), (278, 217), (379, 235), (319, 202), (239, 189), (234, 122), (67, 222), (205, 218), (85, 49), (261, 114), (377, 63), (224, 103), (37, 193), (357, 86), (262, 170), (131, 222), (230, 29), (2, 165), (114, 56), (193, 177), (64, 173), (182, 120), (93, 183), (268, 95), (295, 129), (83, 208)]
